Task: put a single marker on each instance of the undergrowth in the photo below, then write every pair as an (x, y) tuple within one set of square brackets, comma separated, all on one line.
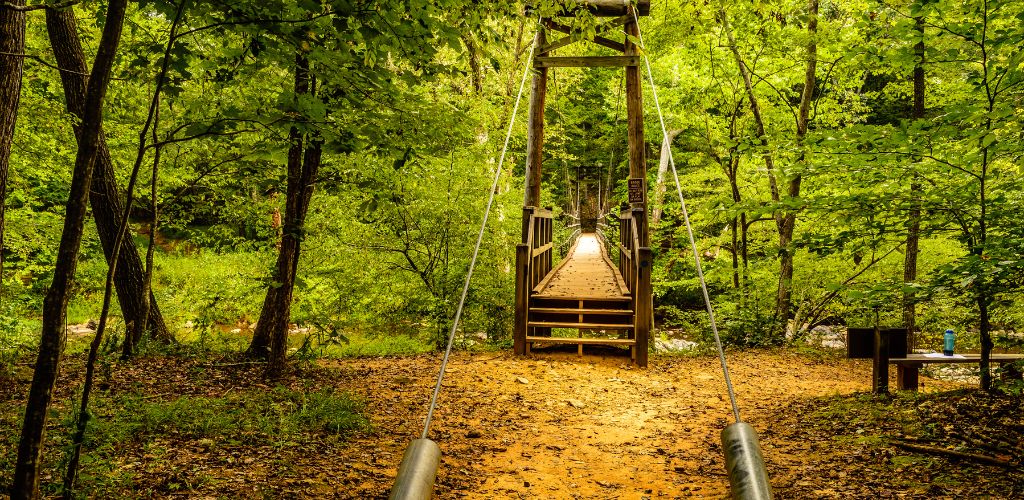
[(275, 418)]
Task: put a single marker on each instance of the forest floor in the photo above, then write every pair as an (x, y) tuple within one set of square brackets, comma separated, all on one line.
[(554, 426)]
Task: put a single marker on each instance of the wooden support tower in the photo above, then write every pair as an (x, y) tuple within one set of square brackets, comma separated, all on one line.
[(549, 296)]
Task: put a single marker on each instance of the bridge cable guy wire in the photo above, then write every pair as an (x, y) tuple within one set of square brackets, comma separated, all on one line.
[(476, 250), (689, 227)]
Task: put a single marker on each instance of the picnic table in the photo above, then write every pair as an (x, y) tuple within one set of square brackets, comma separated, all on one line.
[(908, 367)]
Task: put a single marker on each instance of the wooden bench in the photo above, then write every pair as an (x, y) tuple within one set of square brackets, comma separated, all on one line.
[(861, 344), (908, 368)]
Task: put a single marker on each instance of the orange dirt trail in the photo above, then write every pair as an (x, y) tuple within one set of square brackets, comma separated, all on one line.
[(557, 426)]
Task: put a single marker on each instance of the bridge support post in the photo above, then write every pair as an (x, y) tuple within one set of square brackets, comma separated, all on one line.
[(535, 134), (643, 314), (635, 127), (522, 298)]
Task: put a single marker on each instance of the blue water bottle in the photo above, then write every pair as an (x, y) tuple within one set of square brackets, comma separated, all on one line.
[(947, 343)]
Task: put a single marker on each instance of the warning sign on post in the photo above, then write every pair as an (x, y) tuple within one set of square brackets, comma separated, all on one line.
[(636, 190)]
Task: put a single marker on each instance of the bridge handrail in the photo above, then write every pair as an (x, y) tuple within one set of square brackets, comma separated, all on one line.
[(635, 266), (534, 260)]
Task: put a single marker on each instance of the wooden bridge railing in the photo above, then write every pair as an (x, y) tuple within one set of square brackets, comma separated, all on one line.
[(534, 260), (635, 266)]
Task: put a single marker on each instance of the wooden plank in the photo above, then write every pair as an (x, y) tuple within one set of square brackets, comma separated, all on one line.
[(880, 362), (563, 310), (628, 253), (574, 324), (602, 28), (539, 289), (644, 306), (578, 340), (544, 62), (527, 219), (603, 8), (623, 298), (907, 377), (967, 358), (522, 312), (545, 248), (598, 39), (619, 280), (574, 36), (635, 117)]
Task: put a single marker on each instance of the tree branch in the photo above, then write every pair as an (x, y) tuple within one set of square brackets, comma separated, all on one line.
[(39, 6)]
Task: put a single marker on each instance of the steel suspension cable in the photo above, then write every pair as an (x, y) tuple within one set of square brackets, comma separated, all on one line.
[(476, 249), (689, 227)]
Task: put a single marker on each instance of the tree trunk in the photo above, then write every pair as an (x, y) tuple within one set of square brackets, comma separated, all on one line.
[(475, 70), (270, 339), (769, 162), (914, 218), (105, 200), (12, 41), (659, 185), (26, 474), (734, 223), (635, 128), (787, 220), (985, 332)]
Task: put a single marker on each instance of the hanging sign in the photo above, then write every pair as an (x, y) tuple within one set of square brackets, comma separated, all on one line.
[(636, 190)]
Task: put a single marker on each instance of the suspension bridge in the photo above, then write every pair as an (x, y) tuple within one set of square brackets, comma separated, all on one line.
[(605, 302)]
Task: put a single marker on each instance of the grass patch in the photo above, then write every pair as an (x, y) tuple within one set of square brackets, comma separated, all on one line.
[(125, 427), (360, 345), (249, 418)]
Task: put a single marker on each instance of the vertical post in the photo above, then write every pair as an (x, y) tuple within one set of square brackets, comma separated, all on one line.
[(535, 137), (643, 314), (880, 361), (523, 252), (527, 214), (548, 238), (907, 376), (635, 127)]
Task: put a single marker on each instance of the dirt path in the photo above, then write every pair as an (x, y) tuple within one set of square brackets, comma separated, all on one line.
[(559, 427), (547, 426)]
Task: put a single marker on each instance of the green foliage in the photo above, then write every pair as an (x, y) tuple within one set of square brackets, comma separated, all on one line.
[(410, 145), (277, 417), (256, 418)]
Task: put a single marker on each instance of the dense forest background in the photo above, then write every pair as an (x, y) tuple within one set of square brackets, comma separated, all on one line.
[(303, 179), (410, 125)]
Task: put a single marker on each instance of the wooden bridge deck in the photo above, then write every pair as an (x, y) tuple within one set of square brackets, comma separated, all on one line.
[(585, 272)]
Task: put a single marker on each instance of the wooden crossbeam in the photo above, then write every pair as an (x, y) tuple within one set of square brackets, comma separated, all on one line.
[(577, 340), (586, 61), (598, 39), (602, 8)]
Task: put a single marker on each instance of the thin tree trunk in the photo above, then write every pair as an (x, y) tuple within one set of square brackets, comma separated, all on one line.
[(26, 474), (82, 420), (985, 331), (476, 72), (734, 223), (755, 106), (12, 41), (270, 339), (914, 219), (154, 208), (659, 185), (787, 222), (105, 198)]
